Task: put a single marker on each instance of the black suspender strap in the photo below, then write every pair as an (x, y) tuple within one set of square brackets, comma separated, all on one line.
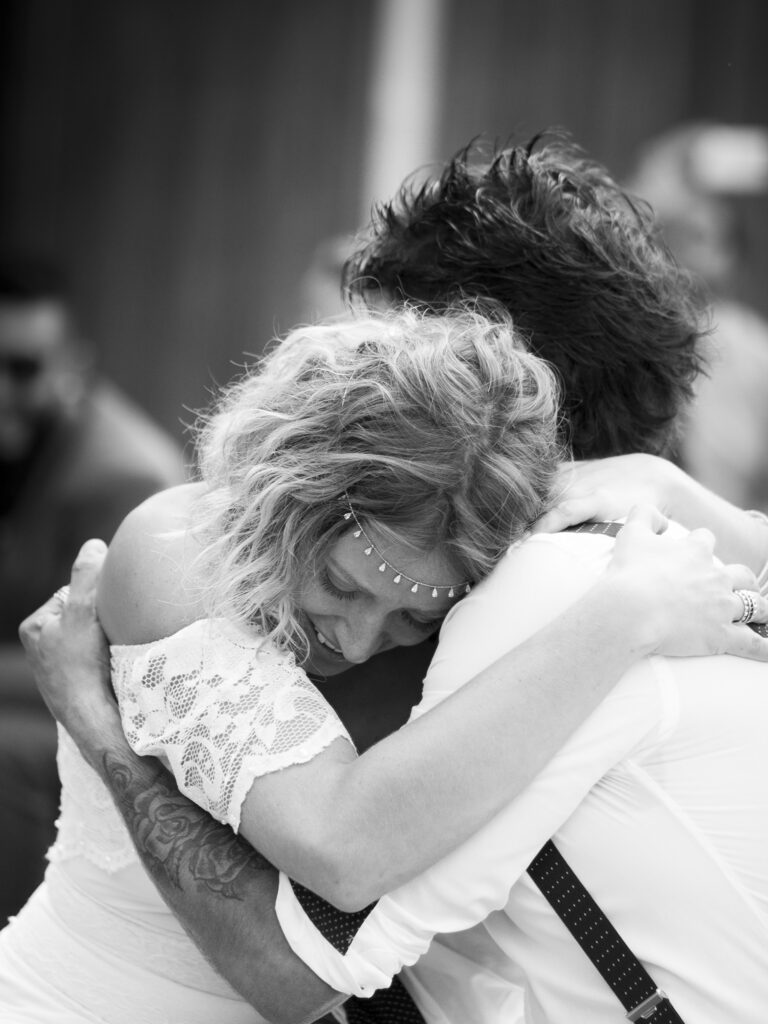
[(391, 1005), (611, 956), (608, 529)]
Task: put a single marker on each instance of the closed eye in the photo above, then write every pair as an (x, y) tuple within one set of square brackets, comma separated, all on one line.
[(333, 589), (424, 625)]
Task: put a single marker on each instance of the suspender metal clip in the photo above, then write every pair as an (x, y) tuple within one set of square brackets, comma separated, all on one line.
[(648, 1006)]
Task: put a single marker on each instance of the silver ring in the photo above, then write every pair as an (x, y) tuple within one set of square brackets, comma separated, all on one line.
[(749, 606), (61, 596)]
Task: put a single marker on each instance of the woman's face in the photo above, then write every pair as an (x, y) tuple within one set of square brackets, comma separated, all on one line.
[(351, 611)]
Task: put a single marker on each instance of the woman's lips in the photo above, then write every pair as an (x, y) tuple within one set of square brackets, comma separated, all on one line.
[(325, 643)]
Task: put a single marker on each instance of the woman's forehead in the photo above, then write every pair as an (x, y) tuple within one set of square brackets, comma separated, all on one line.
[(395, 570)]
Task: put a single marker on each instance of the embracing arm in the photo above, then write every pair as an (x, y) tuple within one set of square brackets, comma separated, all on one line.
[(742, 536), (352, 828), (562, 671), (602, 489), (221, 890), (463, 888), (218, 886)]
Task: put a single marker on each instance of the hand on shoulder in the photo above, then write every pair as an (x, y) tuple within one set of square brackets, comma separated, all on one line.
[(148, 588)]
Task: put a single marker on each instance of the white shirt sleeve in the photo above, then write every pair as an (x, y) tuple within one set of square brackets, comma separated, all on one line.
[(466, 977), (533, 585)]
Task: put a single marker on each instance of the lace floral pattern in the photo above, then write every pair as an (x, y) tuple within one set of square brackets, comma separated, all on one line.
[(221, 708)]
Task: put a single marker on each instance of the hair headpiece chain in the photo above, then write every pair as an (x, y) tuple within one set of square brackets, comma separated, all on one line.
[(399, 576)]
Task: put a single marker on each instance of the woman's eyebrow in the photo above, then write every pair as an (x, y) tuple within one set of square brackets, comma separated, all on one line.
[(344, 577)]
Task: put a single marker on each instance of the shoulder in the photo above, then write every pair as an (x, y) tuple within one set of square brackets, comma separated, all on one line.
[(532, 569), (538, 580), (148, 589)]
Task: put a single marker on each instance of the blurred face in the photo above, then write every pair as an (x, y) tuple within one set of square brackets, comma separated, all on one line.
[(351, 611), (32, 363)]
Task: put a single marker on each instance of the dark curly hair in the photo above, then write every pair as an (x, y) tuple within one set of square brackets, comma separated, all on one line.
[(547, 234)]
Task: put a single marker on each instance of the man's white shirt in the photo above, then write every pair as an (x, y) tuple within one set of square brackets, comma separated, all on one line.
[(659, 802)]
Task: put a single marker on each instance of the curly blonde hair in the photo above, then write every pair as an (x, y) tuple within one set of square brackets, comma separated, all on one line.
[(441, 429)]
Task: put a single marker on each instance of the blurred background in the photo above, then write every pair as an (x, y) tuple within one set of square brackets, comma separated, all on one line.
[(187, 160), (194, 170)]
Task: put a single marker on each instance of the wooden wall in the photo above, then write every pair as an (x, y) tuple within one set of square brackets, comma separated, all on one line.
[(614, 73), (184, 157)]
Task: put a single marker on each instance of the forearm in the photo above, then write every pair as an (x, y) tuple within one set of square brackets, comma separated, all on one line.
[(741, 537), (609, 488), (221, 890), (411, 799)]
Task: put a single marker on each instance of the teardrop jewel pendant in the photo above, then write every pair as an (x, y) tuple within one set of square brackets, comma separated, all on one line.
[(382, 563)]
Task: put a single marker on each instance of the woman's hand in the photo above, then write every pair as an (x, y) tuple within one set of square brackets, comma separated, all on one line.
[(689, 601), (70, 656)]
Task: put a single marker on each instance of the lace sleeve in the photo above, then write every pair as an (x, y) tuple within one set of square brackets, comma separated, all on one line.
[(220, 708)]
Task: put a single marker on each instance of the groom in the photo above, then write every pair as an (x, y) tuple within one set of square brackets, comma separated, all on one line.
[(550, 237)]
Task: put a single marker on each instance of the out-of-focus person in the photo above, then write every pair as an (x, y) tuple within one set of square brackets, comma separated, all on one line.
[(693, 176), (75, 456)]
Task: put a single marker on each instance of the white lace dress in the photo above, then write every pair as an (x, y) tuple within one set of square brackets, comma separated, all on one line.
[(96, 942)]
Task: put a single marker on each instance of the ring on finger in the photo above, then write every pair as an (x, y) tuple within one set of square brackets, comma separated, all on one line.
[(749, 606), (61, 596)]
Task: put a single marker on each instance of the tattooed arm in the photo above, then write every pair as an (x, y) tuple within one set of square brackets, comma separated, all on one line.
[(219, 887)]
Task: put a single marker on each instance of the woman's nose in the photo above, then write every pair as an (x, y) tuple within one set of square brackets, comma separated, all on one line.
[(362, 637)]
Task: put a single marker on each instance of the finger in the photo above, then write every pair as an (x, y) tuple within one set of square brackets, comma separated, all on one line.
[(760, 613), (741, 577), (31, 627), (567, 513), (85, 572), (647, 517), (745, 643), (703, 537), (564, 476), (750, 603), (50, 607), (552, 522)]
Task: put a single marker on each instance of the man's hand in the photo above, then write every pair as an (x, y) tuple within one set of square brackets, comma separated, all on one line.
[(601, 490), (606, 489), (69, 654), (219, 887)]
